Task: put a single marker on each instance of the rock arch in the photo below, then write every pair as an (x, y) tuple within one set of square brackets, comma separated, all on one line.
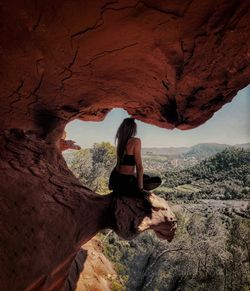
[(169, 63)]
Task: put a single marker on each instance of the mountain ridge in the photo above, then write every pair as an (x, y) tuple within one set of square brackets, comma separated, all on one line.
[(201, 149)]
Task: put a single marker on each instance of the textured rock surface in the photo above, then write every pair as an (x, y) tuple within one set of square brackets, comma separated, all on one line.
[(47, 214), (68, 144), (170, 63), (96, 273)]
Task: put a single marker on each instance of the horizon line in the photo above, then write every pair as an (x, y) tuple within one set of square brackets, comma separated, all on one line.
[(162, 147)]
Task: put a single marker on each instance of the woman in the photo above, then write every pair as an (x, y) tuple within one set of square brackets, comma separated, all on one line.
[(124, 179)]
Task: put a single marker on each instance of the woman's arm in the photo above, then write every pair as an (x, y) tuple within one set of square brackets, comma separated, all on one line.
[(138, 162)]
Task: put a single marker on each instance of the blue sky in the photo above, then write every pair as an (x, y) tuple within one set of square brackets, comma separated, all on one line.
[(230, 125)]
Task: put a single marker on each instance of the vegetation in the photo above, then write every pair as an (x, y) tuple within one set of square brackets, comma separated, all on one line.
[(225, 175), (93, 166), (211, 250), (204, 150)]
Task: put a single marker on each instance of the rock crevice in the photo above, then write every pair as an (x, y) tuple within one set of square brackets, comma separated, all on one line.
[(48, 214), (168, 63)]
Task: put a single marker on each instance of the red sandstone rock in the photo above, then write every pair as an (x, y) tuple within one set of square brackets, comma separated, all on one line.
[(169, 63), (68, 144), (47, 214), (96, 273)]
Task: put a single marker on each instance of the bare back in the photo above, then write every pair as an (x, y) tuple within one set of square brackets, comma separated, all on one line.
[(133, 147)]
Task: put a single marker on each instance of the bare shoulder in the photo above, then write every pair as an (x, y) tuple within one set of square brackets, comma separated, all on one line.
[(136, 141)]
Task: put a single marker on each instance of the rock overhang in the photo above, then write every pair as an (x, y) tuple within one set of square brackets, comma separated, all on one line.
[(171, 64)]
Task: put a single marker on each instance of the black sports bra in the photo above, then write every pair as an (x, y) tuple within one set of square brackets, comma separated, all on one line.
[(128, 160)]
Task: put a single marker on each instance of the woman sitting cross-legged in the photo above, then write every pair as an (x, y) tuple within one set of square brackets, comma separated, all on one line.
[(128, 178)]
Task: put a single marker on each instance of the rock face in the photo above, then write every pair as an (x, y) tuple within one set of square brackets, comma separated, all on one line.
[(47, 214), (98, 273), (169, 63)]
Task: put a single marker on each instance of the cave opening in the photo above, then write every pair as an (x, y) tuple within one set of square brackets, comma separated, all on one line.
[(227, 127), (163, 151), (168, 63)]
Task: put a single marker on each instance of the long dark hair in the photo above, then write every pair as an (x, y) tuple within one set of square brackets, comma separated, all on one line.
[(126, 130)]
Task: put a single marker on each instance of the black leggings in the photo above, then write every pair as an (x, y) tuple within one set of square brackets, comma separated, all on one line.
[(127, 184)]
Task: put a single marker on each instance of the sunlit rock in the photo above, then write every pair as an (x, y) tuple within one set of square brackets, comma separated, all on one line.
[(169, 63), (47, 214)]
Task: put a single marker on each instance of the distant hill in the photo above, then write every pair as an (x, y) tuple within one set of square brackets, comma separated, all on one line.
[(228, 164), (199, 151), (204, 150), (243, 145), (224, 175), (164, 151)]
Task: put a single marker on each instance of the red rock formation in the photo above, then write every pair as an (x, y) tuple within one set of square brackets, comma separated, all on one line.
[(169, 63), (47, 214), (96, 273), (68, 144)]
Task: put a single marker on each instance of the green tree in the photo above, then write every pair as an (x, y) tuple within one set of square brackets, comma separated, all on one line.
[(93, 166), (103, 161), (81, 165)]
